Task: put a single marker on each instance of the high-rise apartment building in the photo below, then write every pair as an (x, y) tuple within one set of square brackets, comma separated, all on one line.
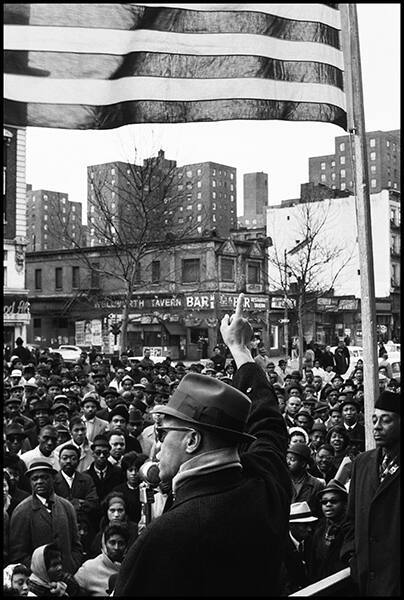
[(53, 221), (188, 199), (337, 170), (255, 200)]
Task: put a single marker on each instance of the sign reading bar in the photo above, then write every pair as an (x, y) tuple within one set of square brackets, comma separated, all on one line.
[(250, 302)]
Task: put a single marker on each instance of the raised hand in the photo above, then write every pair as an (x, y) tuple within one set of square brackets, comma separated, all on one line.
[(235, 329)]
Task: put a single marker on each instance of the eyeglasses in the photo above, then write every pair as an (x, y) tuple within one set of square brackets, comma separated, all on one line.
[(101, 452), (330, 501), (161, 432)]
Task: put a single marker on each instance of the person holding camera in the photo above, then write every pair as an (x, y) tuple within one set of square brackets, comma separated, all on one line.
[(223, 450)]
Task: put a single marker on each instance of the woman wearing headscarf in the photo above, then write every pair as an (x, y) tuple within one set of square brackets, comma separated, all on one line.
[(95, 574), (15, 580), (47, 575)]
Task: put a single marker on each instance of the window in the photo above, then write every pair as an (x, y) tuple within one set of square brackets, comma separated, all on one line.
[(395, 185), (45, 227), (199, 184), (213, 195), (213, 183), (45, 197), (343, 186), (388, 143), (333, 176), (214, 172), (181, 208), (199, 206), (5, 276), (342, 160), (232, 187), (189, 173), (333, 163), (199, 195), (155, 271), (342, 147), (37, 323), (373, 183), (199, 230), (322, 177), (190, 270), (373, 168), (373, 156), (112, 171), (189, 207), (322, 166), (253, 273), (92, 208), (231, 198), (372, 142), (58, 278), (75, 278), (213, 205), (180, 221), (389, 183), (180, 186), (199, 172), (189, 185), (227, 269), (95, 276), (342, 173), (231, 175), (73, 208), (199, 218), (45, 236), (214, 218)]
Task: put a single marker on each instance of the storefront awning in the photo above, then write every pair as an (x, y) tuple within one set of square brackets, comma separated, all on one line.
[(175, 328)]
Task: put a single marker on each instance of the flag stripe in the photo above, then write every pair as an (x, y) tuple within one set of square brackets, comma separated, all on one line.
[(94, 66), (92, 59), (110, 117), (101, 41), (117, 16), (99, 92)]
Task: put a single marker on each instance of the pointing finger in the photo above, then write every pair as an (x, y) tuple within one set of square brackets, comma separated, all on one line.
[(239, 306)]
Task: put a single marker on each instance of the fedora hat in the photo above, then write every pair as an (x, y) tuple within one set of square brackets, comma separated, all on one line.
[(211, 404), (89, 397), (110, 391), (389, 401), (300, 513), (16, 373), (40, 464), (15, 429), (334, 486), (301, 450)]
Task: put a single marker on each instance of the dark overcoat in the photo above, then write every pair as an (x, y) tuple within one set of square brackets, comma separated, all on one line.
[(32, 525), (325, 560), (83, 488), (372, 530), (226, 531)]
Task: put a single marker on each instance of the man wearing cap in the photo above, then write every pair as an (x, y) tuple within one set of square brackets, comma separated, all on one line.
[(12, 411), (60, 410), (109, 395), (328, 535), (372, 532), (44, 518), (226, 530), (295, 568), (305, 486), (94, 425)]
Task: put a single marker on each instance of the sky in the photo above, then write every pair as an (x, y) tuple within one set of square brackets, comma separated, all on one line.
[(57, 159)]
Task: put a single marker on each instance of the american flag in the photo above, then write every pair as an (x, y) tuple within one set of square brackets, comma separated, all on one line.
[(101, 66)]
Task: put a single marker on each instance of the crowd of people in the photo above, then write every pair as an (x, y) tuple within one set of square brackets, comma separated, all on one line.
[(265, 485)]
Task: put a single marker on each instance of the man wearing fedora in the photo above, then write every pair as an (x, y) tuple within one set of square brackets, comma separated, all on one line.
[(296, 565), (372, 532), (43, 518), (223, 453)]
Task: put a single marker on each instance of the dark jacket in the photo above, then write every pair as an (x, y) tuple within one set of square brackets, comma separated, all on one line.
[(342, 359), (226, 531), (113, 477), (132, 499), (325, 559), (295, 568), (32, 525), (357, 436), (16, 497), (372, 531), (83, 488), (308, 492)]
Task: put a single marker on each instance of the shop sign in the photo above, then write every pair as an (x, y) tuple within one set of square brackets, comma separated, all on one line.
[(279, 302), (199, 301), (16, 305), (229, 301), (327, 304), (348, 304), (139, 302)]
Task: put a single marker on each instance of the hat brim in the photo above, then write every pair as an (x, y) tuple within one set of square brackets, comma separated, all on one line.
[(172, 412), (40, 468), (302, 519)]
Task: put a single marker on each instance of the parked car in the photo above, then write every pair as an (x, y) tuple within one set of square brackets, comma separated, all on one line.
[(69, 353)]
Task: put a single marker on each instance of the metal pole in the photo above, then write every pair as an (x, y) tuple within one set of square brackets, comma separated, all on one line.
[(356, 127), (285, 313)]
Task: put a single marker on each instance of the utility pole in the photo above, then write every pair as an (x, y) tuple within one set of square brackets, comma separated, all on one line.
[(285, 311)]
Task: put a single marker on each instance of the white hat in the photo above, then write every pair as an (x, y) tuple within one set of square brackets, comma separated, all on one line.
[(16, 373), (300, 513), (31, 383), (126, 378)]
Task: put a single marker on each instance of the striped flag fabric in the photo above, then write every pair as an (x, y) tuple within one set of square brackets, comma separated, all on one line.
[(102, 66)]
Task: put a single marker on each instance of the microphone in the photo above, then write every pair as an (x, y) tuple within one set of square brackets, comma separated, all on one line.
[(149, 473)]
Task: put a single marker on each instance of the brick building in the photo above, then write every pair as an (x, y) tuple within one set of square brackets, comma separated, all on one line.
[(195, 198), (53, 221), (255, 200), (176, 309), (336, 170)]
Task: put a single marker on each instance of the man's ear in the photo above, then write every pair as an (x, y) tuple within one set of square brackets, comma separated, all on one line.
[(194, 442)]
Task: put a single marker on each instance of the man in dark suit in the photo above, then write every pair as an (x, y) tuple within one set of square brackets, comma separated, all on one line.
[(104, 475), (78, 488), (226, 531), (355, 430), (373, 532)]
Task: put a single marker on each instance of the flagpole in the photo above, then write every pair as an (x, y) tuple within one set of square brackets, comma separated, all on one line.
[(356, 128)]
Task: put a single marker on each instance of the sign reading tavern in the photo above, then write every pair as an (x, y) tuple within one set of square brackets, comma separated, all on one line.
[(192, 301)]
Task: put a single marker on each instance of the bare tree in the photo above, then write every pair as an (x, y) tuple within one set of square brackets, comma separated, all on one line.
[(134, 211), (315, 263)]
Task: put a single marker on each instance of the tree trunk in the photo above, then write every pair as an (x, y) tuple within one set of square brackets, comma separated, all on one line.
[(300, 327), (124, 327)]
